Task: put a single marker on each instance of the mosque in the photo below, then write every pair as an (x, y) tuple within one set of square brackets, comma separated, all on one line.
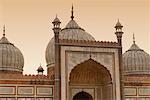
[(78, 68)]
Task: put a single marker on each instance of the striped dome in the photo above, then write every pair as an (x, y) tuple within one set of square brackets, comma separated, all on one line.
[(136, 61), (11, 59), (72, 31)]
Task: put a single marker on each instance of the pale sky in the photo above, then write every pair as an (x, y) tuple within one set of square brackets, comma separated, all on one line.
[(28, 23)]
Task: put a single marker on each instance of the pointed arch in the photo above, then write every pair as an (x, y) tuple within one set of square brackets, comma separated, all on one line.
[(90, 72)]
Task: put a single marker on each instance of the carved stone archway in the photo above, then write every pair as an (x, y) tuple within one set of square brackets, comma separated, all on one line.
[(91, 73)]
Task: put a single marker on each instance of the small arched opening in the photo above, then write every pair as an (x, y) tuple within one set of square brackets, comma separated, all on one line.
[(82, 96)]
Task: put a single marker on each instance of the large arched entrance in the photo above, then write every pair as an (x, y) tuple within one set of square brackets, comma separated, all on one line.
[(91, 77), (82, 96)]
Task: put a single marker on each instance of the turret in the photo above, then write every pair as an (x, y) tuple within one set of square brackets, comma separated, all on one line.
[(56, 28), (40, 70)]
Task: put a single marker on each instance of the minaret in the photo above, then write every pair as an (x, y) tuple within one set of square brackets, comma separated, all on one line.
[(119, 32), (57, 69), (119, 39)]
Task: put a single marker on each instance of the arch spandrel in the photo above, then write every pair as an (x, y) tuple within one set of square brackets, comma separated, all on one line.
[(76, 58)]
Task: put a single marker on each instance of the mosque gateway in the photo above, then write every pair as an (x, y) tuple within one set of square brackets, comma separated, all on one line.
[(78, 68)]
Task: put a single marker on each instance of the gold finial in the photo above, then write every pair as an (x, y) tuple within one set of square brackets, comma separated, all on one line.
[(72, 17), (4, 31), (133, 38)]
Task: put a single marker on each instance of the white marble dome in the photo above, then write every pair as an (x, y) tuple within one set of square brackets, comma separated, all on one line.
[(72, 31), (11, 59), (136, 61)]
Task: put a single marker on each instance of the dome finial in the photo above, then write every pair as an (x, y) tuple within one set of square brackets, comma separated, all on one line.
[(4, 31), (118, 24), (56, 15), (72, 17), (133, 39), (118, 19)]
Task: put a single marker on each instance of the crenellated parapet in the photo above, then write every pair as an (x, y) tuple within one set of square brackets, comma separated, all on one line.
[(16, 76), (25, 79), (104, 44)]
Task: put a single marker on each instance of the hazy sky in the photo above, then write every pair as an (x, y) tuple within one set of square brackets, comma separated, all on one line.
[(29, 27)]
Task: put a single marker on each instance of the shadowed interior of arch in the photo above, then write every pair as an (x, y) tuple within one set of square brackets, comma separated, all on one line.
[(90, 72), (82, 96)]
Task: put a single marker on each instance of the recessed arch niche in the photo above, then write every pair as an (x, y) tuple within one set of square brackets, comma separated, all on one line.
[(93, 75)]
